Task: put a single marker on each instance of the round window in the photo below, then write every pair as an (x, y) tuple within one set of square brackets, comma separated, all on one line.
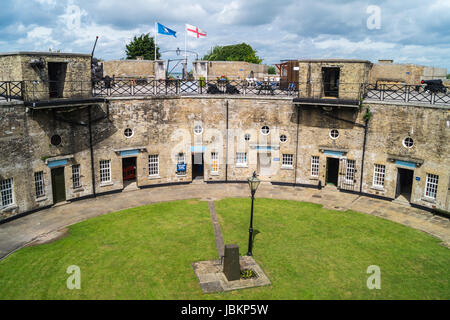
[(55, 140), (265, 130), (128, 132), (198, 129), (408, 142), (283, 138), (247, 137), (334, 134)]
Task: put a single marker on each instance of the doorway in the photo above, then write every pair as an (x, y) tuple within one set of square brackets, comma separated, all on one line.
[(197, 165), (332, 171), (264, 163), (58, 185), (404, 183), (129, 169), (56, 78), (330, 77)]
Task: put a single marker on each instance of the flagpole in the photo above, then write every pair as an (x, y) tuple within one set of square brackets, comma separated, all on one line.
[(185, 52), (155, 41)]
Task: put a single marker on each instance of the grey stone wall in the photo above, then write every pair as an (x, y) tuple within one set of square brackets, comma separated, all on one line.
[(165, 126)]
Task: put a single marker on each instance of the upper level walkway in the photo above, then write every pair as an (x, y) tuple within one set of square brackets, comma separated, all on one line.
[(47, 224), (351, 94)]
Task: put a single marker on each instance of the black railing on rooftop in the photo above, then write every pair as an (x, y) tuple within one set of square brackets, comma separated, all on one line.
[(11, 90), (38, 90)]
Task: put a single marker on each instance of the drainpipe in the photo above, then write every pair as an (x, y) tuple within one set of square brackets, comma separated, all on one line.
[(296, 146), (366, 124), (92, 151), (226, 157)]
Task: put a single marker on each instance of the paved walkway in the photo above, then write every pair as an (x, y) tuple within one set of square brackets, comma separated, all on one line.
[(48, 223)]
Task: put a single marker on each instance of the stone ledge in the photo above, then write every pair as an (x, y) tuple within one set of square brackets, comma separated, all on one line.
[(212, 279)]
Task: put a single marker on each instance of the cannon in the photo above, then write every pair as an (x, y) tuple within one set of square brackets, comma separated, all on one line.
[(434, 86), (213, 89), (231, 89)]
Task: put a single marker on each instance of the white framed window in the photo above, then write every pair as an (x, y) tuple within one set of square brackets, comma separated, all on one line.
[(334, 134), (241, 159), (288, 160), (379, 172), (128, 132), (6, 192), (105, 171), (315, 166), (350, 172), (153, 165), (181, 158), (39, 184), (76, 176), (408, 142), (431, 185), (214, 162), (283, 138), (265, 130), (198, 129)]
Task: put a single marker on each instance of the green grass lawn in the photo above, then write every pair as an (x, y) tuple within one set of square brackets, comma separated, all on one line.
[(306, 251)]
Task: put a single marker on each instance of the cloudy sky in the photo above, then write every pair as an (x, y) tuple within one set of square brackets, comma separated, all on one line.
[(408, 31)]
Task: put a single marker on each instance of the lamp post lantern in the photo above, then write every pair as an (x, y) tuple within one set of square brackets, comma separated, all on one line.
[(253, 183)]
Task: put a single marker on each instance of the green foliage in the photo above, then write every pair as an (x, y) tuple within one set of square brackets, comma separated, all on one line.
[(448, 76), (272, 70), (235, 52), (144, 45)]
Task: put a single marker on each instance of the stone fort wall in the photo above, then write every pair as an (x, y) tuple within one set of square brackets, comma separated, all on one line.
[(165, 127)]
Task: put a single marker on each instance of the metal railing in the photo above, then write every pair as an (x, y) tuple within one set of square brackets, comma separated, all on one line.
[(406, 93), (47, 90), (38, 90), (11, 90), (192, 87)]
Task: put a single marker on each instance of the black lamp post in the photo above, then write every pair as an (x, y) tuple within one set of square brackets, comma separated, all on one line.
[(253, 183)]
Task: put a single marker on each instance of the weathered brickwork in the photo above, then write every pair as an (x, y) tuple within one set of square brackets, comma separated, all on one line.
[(135, 69), (233, 70), (75, 76), (165, 127)]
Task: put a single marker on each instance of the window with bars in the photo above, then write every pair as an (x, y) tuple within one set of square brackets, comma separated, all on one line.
[(288, 160), (241, 159), (153, 165), (214, 162), (6, 192), (379, 172), (76, 176), (315, 166), (181, 158), (105, 171), (350, 172), (39, 184), (431, 185)]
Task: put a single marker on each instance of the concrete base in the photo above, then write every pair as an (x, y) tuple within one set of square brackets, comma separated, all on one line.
[(212, 279)]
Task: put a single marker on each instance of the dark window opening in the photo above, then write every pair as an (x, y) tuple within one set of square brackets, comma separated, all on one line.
[(330, 77), (55, 140), (56, 78)]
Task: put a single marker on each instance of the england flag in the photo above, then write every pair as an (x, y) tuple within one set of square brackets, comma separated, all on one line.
[(195, 32)]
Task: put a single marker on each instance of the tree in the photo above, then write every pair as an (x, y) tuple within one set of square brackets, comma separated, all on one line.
[(236, 52), (448, 76), (272, 70), (144, 45)]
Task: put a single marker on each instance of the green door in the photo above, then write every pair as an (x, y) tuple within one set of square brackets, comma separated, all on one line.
[(58, 185)]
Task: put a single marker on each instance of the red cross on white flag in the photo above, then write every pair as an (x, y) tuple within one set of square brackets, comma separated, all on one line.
[(195, 32)]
